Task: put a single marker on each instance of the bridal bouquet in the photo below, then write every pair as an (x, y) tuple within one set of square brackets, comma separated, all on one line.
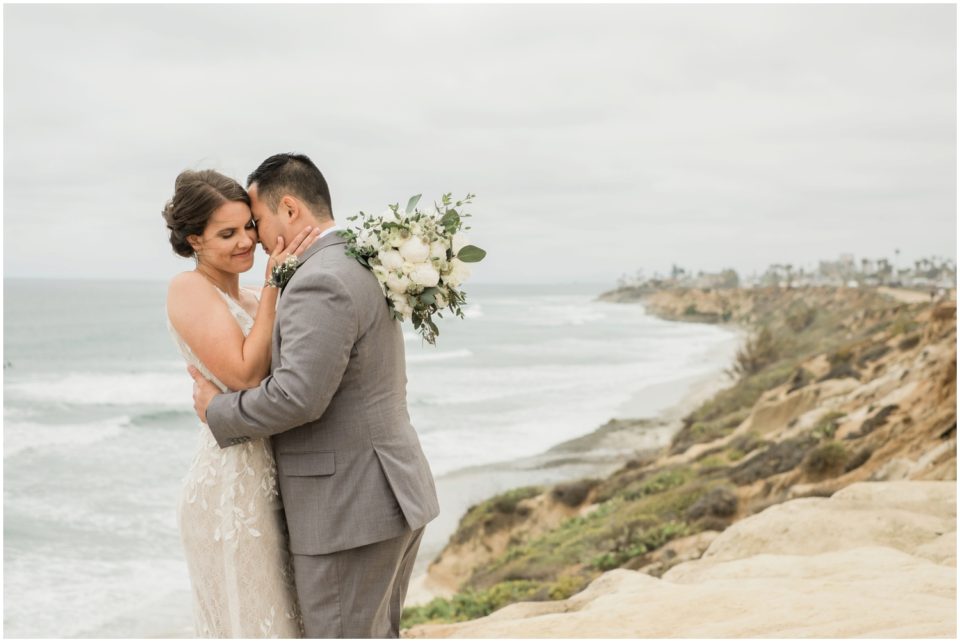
[(420, 257)]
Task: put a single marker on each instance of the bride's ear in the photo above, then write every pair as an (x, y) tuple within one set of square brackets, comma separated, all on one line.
[(195, 243)]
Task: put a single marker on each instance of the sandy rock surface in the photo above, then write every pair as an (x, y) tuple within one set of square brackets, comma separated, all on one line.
[(877, 559)]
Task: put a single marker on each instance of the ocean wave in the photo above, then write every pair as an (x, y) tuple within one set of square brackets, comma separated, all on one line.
[(439, 356), (20, 437), (107, 389), (63, 596), (164, 417), (552, 315), (473, 311)]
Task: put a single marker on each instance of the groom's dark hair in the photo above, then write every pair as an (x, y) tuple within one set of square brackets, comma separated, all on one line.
[(292, 174)]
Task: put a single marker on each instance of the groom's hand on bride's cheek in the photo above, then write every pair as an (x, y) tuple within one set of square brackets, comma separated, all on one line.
[(203, 392)]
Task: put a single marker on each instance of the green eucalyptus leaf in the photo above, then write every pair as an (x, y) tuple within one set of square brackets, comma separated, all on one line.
[(412, 203), (450, 220), (471, 254), (429, 295)]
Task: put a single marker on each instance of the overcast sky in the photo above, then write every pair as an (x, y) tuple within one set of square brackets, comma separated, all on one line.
[(598, 139)]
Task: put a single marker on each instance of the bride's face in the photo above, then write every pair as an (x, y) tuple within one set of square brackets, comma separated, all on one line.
[(228, 242)]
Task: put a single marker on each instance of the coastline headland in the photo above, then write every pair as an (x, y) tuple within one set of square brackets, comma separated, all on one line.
[(828, 456)]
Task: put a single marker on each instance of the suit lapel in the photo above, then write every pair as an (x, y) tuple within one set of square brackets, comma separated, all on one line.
[(333, 238), (329, 240)]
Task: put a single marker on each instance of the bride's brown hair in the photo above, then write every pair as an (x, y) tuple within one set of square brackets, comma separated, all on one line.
[(196, 195)]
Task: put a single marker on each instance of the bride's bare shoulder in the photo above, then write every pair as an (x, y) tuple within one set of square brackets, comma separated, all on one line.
[(187, 283), (187, 290)]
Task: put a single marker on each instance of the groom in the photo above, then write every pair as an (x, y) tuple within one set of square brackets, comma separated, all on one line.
[(356, 488)]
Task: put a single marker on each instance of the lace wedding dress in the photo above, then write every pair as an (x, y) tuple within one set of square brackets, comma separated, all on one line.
[(233, 531)]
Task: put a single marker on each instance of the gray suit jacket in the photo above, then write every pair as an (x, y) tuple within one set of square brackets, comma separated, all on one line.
[(350, 466)]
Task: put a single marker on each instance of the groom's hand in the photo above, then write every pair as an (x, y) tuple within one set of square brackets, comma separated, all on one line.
[(203, 392)]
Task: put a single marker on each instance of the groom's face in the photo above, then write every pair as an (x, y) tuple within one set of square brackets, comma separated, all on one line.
[(269, 223)]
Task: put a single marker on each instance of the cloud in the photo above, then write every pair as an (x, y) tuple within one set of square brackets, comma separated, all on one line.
[(599, 139)]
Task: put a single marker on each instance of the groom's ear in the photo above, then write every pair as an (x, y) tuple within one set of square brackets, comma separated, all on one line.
[(290, 207)]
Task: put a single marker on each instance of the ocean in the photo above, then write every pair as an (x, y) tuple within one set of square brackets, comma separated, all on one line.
[(99, 428)]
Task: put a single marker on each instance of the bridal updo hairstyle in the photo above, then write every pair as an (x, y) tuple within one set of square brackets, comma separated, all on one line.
[(292, 174), (196, 196)]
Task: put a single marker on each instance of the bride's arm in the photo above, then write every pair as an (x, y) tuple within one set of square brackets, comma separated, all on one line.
[(202, 319)]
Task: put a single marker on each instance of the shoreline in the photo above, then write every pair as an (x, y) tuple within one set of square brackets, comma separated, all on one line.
[(635, 431)]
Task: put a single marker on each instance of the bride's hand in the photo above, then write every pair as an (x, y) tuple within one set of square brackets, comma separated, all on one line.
[(297, 246)]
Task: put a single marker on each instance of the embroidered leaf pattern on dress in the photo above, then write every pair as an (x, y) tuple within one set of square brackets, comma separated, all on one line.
[(234, 534)]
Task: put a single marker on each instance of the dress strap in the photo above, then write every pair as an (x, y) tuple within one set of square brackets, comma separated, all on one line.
[(232, 304)]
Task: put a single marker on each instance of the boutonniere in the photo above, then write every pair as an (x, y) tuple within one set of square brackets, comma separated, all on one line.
[(280, 274)]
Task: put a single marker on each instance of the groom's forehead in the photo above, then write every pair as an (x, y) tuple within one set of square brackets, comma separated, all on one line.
[(255, 201)]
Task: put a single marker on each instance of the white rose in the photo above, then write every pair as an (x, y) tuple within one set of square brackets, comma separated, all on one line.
[(459, 272), (398, 283), (400, 305), (365, 238), (380, 272), (425, 274), (390, 259), (438, 250), (414, 250), (458, 242)]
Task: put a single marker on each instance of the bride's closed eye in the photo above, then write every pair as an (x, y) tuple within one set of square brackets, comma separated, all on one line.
[(249, 226)]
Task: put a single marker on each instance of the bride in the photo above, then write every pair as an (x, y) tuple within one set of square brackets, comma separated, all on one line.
[(230, 516)]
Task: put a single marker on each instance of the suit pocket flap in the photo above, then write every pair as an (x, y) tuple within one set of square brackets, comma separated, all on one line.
[(315, 464)]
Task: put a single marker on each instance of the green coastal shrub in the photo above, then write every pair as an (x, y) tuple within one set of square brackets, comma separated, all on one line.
[(800, 316), (493, 513), (740, 397), (872, 423), (859, 459), (639, 544), (618, 526), (658, 483), (744, 444), (507, 502), (574, 493), (827, 426), (719, 502), (903, 324), (717, 460), (469, 605), (758, 352), (841, 364), (909, 343), (872, 354), (826, 459), (774, 459), (698, 432), (801, 377)]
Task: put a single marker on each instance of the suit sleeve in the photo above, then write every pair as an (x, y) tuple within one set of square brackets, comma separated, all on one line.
[(318, 329)]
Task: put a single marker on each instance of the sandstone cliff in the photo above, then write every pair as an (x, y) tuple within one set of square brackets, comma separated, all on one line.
[(835, 392)]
